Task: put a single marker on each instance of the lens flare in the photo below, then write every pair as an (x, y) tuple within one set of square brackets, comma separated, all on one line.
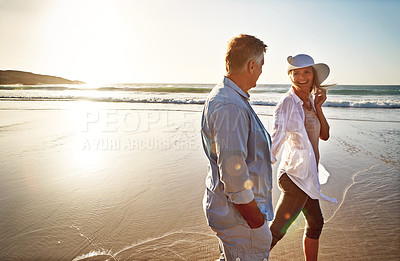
[(234, 165), (248, 184), (238, 166)]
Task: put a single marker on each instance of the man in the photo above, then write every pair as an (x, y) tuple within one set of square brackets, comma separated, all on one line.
[(237, 200)]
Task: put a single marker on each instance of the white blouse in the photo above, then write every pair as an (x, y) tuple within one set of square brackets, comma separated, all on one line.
[(298, 158)]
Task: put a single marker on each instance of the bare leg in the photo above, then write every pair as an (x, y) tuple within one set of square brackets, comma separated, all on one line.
[(310, 247)]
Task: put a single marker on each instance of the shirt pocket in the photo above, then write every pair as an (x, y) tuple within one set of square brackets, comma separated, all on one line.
[(261, 238)]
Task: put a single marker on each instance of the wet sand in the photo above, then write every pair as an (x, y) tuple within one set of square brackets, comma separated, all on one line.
[(98, 181)]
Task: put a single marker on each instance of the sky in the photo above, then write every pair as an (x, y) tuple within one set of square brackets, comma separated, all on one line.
[(184, 41)]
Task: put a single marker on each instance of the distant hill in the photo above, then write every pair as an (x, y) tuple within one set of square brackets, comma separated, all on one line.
[(28, 78)]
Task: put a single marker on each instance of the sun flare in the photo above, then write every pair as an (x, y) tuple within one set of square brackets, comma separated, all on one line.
[(87, 39)]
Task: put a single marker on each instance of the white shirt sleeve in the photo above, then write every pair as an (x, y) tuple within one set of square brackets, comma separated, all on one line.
[(279, 132)]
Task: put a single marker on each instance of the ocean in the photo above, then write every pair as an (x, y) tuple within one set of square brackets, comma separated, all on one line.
[(116, 172), (359, 102), (352, 96), (352, 102)]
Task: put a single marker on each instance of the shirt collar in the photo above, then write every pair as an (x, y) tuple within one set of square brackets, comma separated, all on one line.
[(297, 99), (228, 82)]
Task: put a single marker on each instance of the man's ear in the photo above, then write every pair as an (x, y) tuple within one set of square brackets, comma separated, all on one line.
[(250, 66)]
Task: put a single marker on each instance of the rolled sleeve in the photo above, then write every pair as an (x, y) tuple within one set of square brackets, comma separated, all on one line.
[(242, 197), (231, 136)]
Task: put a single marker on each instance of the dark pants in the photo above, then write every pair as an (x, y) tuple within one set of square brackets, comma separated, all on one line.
[(291, 202)]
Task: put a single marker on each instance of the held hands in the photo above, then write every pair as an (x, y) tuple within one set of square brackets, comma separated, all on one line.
[(320, 98)]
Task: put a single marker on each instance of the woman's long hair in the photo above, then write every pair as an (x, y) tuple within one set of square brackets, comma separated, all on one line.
[(317, 87)]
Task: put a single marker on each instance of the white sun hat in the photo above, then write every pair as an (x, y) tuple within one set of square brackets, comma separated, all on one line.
[(304, 60)]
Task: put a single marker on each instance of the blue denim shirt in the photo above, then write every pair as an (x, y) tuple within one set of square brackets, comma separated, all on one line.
[(238, 151)]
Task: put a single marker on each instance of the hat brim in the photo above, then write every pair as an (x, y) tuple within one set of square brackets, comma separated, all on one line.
[(321, 69)]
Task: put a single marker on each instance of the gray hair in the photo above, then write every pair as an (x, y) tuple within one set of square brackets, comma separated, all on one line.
[(241, 50)]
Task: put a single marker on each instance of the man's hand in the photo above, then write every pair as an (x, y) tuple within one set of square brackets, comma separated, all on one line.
[(251, 213)]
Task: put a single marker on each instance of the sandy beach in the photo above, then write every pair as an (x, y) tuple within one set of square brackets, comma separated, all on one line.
[(123, 181)]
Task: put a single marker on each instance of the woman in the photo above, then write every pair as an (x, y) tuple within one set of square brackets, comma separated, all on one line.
[(299, 123)]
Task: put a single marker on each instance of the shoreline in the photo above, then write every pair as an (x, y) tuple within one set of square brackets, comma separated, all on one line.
[(384, 115)]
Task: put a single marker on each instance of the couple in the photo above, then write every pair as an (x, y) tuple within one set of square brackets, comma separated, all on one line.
[(237, 200)]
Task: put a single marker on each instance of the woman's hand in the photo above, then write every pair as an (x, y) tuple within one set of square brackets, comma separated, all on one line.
[(320, 98)]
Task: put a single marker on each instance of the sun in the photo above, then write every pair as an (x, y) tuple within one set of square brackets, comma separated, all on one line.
[(85, 40)]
